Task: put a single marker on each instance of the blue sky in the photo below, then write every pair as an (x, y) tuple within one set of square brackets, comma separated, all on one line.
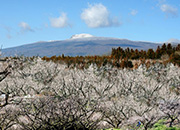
[(29, 21)]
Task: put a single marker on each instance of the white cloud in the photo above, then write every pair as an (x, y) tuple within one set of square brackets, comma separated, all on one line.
[(133, 12), (97, 15), (25, 27), (169, 10), (161, 1), (60, 22)]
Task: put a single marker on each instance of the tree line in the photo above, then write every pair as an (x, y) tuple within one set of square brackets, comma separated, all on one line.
[(122, 58), (168, 49)]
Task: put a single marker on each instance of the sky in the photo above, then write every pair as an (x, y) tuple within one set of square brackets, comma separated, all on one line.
[(29, 21)]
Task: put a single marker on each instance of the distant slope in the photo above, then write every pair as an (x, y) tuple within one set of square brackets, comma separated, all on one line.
[(76, 46)]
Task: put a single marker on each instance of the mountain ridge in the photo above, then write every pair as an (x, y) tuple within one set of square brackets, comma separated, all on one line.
[(85, 45)]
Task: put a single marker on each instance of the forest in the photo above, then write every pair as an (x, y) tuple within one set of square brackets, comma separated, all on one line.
[(123, 57)]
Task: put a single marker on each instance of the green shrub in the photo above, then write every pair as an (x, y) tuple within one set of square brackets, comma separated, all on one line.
[(160, 126)]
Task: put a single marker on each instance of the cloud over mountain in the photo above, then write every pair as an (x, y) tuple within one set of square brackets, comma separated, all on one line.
[(133, 12), (25, 27), (60, 22), (169, 10), (97, 15)]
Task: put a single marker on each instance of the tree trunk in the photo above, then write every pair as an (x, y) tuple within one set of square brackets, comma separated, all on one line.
[(172, 120)]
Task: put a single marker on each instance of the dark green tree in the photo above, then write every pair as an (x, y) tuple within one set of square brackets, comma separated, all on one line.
[(150, 54)]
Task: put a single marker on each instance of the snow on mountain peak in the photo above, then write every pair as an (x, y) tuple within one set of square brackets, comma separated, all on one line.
[(83, 35)]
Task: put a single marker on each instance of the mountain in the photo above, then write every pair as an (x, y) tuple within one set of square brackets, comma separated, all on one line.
[(173, 41), (79, 44)]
